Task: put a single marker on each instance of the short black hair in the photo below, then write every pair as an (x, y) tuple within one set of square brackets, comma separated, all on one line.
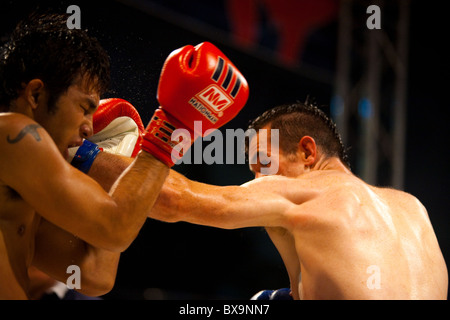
[(43, 47), (294, 121)]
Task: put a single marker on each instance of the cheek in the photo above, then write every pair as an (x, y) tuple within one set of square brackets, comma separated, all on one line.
[(69, 126), (72, 118)]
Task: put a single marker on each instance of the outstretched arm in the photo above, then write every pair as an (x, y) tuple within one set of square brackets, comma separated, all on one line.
[(227, 207), (182, 199)]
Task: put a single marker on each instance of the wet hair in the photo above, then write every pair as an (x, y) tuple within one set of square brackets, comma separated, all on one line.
[(43, 47), (294, 121)]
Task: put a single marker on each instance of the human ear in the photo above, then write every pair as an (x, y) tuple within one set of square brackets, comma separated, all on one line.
[(308, 150), (33, 91)]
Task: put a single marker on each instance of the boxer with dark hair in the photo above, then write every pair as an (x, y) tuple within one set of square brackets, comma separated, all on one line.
[(53, 215), (43, 47)]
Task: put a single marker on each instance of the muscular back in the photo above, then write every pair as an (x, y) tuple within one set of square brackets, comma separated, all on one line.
[(355, 241)]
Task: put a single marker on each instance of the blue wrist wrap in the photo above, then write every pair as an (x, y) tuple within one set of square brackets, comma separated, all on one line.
[(85, 156)]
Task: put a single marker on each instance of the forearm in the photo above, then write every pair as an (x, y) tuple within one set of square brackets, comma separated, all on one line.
[(182, 199), (109, 220), (175, 193), (174, 200), (107, 168), (134, 193), (228, 207)]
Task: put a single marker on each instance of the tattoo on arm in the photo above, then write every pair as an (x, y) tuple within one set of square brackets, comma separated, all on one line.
[(31, 129)]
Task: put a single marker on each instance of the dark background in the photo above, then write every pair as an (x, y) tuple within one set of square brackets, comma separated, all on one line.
[(182, 261)]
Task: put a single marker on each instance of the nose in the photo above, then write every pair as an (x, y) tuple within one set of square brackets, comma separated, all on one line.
[(86, 130)]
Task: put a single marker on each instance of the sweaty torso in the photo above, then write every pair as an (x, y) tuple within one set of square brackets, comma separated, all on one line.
[(18, 223), (354, 241)]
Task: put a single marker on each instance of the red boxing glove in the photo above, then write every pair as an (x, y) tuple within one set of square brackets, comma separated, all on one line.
[(118, 128), (196, 84)]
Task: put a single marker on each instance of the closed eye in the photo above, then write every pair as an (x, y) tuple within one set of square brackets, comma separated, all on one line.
[(88, 105), (85, 110)]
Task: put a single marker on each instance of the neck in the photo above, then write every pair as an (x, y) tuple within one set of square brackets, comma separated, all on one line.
[(332, 163), (19, 106)]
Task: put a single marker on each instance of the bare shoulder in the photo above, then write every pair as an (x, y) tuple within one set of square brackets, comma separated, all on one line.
[(14, 127), (296, 190), (22, 142), (350, 186), (399, 195), (403, 200), (16, 130), (264, 182), (10, 120)]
